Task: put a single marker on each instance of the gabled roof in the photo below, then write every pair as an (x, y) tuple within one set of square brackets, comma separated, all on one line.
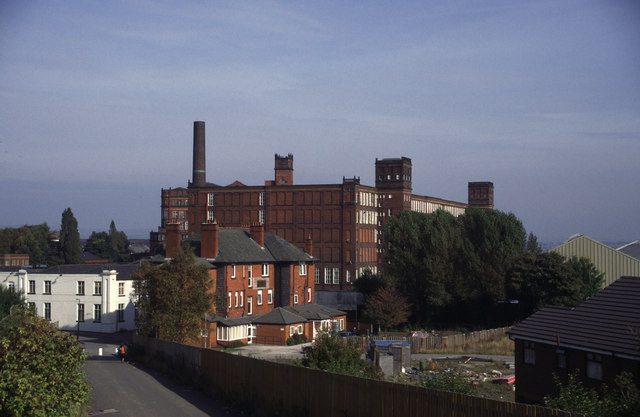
[(236, 246), (315, 311), (604, 323), (279, 315)]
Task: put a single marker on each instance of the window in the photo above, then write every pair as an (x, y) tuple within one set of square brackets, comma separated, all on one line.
[(261, 216), (336, 275), (291, 330), (261, 198), (347, 275), (32, 286), (97, 288), (269, 296), (529, 353), (210, 215), (303, 269), (229, 299), (341, 324), (250, 271), (317, 276), (241, 299), (265, 270), (250, 283), (249, 305), (12, 286), (210, 199), (80, 312), (121, 312), (47, 311), (561, 359), (233, 271), (121, 289), (308, 295), (97, 313), (80, 288), (327, 275), (299, 328), (295, 298), (236, 296), (259, 299), (594, 366)]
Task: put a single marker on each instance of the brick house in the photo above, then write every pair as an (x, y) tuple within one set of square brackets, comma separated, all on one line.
[(598, 339), (256, 273)]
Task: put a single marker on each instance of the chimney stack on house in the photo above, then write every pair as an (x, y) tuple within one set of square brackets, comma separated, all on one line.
[(209, 240), (308, 245), (199, 156), (173, 240), (257, 234)]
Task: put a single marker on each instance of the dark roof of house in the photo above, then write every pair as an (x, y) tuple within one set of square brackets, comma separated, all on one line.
[(124, 270), (284, 315), (315, 311), (236, 246), (631, 249), (604, 323), (279, 315)]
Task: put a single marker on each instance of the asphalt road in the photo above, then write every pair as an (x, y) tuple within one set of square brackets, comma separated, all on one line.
[(124, 389)]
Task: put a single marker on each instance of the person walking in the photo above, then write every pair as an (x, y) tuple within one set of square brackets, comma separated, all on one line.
[(122, 352)]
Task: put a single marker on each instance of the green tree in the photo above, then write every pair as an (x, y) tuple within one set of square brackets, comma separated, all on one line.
[(40, 368), (591, 280), (119, 244), (369, 283), (32, 240), (99, 245), (69, 247), (339, 355), (386, 308), (422, 254), (9, 298), (173, 297)]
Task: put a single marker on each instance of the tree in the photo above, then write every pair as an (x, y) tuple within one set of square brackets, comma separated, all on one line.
[(98, 244), (69, 246), (369, 283), (338, 355), (591, 280), (119, 244), (9, 298), (173, 297), (32, 240), (40, 368), (386, 308)]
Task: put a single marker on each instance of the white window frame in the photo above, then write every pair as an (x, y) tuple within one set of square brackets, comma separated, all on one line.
[(97, 313), (233, 271), (347, 275), (265, 270), (270, 296), (249, 305), (241, 298), (236, 297), (295, 298), (46, 287), (291, 327), (308, 295), (32, 286), (303, 269), (46, 311), (97, 288), (336, 276), (317, 274), (80, 313), (210, 197), (120, 289), (341, 324), (259, 299), (300, 329), (327, 275), (261, 216), (229, 299), (249, 271), (261, 198)]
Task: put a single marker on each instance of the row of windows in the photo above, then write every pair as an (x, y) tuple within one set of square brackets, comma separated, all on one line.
[(46, 288), (593, 360), (248, 269)]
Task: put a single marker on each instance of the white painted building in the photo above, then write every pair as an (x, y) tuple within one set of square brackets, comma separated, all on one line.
[(88, 297)]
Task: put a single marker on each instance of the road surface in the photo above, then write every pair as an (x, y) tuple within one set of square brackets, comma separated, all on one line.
[(124, 389)]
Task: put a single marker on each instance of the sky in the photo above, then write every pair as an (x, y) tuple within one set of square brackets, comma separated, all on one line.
[(98, 100)]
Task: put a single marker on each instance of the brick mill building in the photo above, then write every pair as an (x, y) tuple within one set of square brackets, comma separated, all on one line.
[(344, 220)]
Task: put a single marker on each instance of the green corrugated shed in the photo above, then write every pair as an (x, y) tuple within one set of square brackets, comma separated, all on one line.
[(613, 263)]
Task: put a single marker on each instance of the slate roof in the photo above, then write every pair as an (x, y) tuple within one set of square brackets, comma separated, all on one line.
[(125, 270), (236, 246), (279, 315), (315, 311), (601, 324)]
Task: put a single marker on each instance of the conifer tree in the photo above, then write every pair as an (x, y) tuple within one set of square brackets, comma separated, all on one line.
[(69, 247)]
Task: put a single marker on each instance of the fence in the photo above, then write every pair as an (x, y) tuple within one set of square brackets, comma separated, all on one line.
[(296, 391), (426, 342)]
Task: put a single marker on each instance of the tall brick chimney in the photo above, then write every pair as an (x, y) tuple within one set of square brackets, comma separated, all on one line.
[(308, 245), (481, 194), (173, 240), (199, 156), (284, 170), (209, 240), (257, 234)]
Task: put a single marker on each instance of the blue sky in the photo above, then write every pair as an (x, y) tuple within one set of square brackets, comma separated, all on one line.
[(98, 99)]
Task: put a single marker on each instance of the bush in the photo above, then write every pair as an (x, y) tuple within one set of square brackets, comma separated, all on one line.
[(296, 339), (448, 380), (339, 355)]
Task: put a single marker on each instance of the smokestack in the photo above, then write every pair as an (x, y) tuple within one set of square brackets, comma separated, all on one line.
[(209, 240), (199, 156), (257, 234), (173, 240)]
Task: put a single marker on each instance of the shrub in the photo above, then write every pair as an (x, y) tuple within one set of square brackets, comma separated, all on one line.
[(296, 339)]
